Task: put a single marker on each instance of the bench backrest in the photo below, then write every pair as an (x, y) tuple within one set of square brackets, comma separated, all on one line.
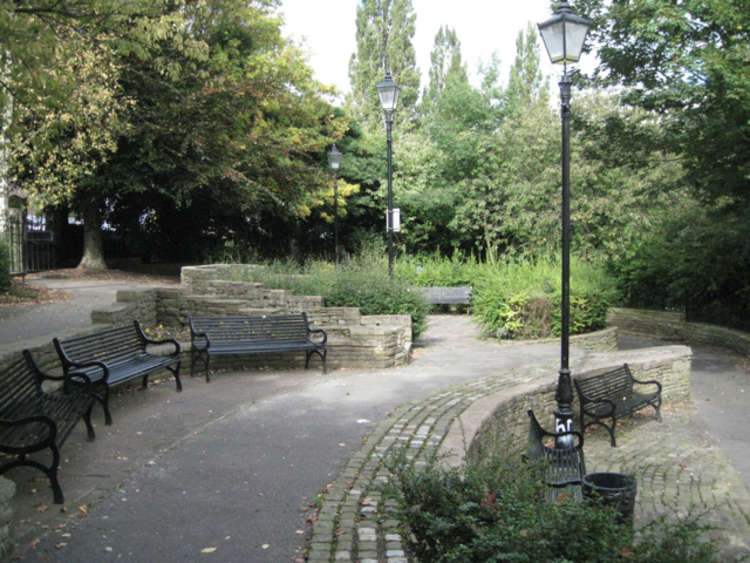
[(447, 295), (20, 385), (108, 346), (252, 329), (613, 384)]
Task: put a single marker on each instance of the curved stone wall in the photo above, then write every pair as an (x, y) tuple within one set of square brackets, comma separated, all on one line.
[(501, 418)]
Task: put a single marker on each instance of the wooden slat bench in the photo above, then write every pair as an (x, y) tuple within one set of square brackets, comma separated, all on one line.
[(235, 335), (114, 356), (447, 295), (563, 468), (32, 420), (611, 395)]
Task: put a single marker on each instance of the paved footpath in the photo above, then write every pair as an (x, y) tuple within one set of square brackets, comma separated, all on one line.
[(229, 470)]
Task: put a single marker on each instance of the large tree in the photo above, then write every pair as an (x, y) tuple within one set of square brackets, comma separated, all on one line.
[(385, 29), (686, 63), (446, 66), (223, 129)]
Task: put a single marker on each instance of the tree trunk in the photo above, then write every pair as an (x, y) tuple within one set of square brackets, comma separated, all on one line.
[(93, 248)]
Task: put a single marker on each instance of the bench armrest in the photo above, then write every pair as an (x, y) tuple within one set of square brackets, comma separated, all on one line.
[(318, 331), (647, 382), (84, 365), (146, 340), (599, 402), (51, 429)]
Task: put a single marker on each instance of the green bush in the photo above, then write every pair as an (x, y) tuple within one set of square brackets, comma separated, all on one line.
[(435, 270), (4, 268), (494, 512), (522, 299)]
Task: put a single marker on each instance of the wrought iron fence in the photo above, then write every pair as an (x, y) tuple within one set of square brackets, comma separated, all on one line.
[(31, 247)]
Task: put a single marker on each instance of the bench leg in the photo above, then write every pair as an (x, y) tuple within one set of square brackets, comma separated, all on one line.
[(176, 372), (50, 472), (320, 353), (89, 427)]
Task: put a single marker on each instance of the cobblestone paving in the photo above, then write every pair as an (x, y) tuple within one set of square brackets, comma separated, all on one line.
[(678, 467)]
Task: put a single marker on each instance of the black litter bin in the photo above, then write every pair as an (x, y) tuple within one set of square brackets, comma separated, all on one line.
[(612, 489)]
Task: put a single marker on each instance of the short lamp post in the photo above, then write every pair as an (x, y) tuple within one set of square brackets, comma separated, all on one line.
[(334, 160), (563, 35), (388, 92)]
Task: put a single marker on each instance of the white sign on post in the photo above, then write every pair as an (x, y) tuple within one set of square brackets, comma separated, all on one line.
[(395, 216)]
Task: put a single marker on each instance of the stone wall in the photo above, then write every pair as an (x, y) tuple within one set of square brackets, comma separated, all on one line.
[(501, 418), (354, 340), (672, 326), (7, 491)]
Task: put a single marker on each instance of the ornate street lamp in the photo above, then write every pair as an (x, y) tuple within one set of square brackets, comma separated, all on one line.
[(388, 92), (334, 160), (563, 35)]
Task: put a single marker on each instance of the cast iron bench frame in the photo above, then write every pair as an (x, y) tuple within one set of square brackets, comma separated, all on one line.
[(114, 356), (563, 468), (32, 420), (610, 395), (236, 335)]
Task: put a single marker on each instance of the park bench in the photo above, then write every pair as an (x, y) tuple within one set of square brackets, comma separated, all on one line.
[(32, 420), (611, 395), (447, 295), (236, 335), (114, 356), (562, 468)]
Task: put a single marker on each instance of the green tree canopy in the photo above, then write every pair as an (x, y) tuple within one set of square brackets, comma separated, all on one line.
[(385, 29), (686, 62)]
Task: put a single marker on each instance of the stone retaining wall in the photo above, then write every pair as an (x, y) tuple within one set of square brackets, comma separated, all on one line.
[(501, 418), (354, 340), (7, 491), (672, 326)]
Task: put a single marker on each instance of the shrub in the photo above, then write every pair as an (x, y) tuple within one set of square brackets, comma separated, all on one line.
[(522, 299), (5, 280), (494, 511)]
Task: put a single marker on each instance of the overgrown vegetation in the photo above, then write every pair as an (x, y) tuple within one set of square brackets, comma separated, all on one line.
[(361, 282), (494, 511)]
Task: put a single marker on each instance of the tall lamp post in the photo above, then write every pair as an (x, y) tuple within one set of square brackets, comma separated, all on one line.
[(563, 35), (334, 160), (388, 92)]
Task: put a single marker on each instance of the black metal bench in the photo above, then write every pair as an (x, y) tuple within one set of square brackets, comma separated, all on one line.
[(611, 395), (562, 468), (447, 295), (115, 356), (32, 420), (235, 335)]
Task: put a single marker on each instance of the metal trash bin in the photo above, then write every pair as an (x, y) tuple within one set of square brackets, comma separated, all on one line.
[(612, 489)]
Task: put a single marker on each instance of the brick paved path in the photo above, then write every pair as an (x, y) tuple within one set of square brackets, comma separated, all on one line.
[(679, 469)]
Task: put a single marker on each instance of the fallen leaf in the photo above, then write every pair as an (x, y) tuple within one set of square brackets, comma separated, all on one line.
[(265, 546), (41, 507), (34, 543), (61, 545), (83, 508), (208, 550)]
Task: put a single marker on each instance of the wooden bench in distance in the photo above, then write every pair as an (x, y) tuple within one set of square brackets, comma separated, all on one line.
[(611, 395), (113, 356), (447, 295), (236, 335), (32, 420)]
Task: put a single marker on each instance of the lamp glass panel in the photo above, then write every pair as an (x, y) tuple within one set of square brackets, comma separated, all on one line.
[(388, 92), (576, 35), (553, 36)]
